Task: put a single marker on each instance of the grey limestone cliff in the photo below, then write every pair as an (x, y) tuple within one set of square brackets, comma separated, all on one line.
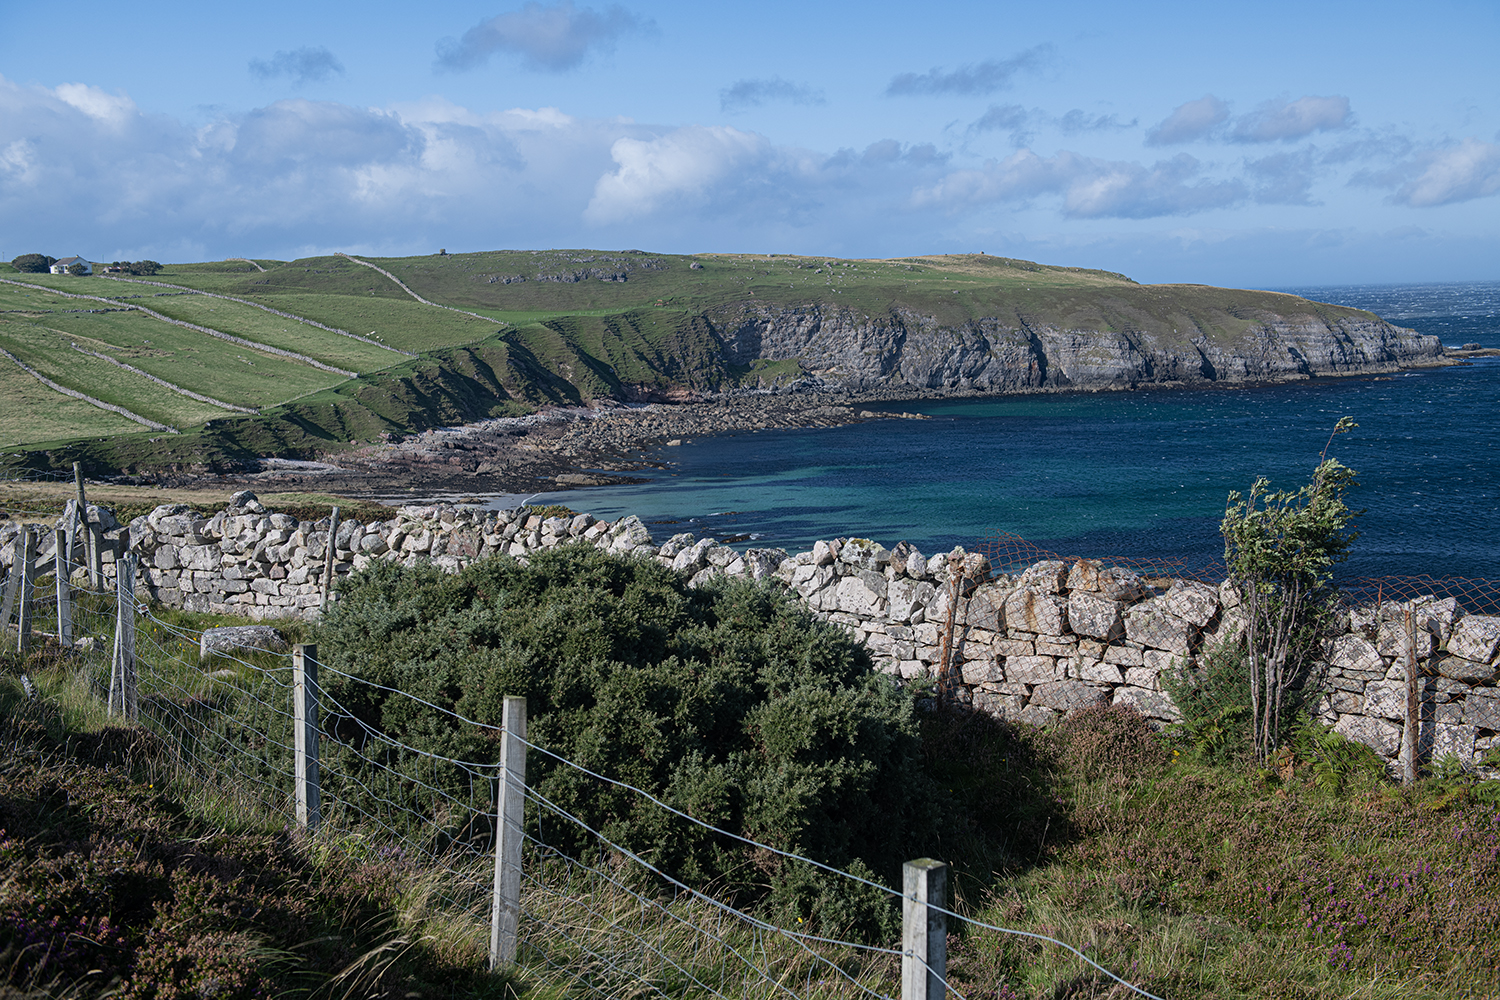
[(903, 348)]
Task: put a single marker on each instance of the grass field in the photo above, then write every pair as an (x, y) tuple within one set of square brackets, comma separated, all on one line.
[(34, 414), (277, 331), (51, 354), (190, 359)]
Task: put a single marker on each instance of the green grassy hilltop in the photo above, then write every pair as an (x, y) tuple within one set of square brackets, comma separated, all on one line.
[(242, 358)]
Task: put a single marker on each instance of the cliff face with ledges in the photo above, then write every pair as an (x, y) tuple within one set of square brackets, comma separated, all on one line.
[(901, 348)]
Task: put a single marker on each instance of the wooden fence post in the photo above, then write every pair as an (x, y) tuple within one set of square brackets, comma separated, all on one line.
[(122, 680), (328, 560), (505, 909), (305, 713), (26, 583), (924, 930), (13, 582), (61, 569)]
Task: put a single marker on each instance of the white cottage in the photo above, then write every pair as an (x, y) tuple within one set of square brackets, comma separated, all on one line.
[(61, 267)]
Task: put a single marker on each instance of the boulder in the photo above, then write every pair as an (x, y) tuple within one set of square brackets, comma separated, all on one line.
[(1385, 699), (676, 544), (1192, 602), (862, 594), (761, 563), (863, 554), (1031, 669), (1001, 706), (1150, 623), (233, 638), (1049, 576), (1482, 708), (1469, 671), (1152, 704), (1443, 740), (1030, 610), (1381, 736), (1354, 656), (1113, 583)]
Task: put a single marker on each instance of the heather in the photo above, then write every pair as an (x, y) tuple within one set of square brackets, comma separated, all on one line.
[(110, 886)]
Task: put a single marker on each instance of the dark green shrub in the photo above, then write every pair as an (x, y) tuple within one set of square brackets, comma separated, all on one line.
[(33, 263), (730, 702)]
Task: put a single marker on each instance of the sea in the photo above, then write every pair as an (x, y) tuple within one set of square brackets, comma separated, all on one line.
[(1142, 475)]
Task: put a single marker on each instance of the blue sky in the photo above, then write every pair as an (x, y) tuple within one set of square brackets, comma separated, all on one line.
[(1266, 144)]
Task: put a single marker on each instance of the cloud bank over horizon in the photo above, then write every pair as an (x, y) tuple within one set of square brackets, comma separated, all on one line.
[(653, 124)]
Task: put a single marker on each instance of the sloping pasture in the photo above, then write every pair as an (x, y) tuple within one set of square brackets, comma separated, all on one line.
[(51, 354)]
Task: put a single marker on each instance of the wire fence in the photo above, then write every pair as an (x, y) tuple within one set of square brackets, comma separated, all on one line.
[(596, 915)]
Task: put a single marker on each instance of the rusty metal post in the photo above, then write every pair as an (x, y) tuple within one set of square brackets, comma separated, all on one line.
[(1413, 708), (328, 559)]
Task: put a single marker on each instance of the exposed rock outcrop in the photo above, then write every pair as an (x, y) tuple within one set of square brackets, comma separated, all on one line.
[(901, 348)]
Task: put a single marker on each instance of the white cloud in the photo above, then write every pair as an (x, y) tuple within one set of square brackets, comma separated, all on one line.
[(114, 109), (1463, 172), (1287, 120), (977, 78), (554, 38), (1088, 187), (1191, 120), (681, 166), (19, 160)]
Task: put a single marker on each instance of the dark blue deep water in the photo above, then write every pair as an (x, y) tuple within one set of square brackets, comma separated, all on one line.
[(1137, 474)]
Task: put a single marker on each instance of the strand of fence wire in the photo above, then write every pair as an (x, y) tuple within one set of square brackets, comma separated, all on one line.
[(337, 717), (830, 869)]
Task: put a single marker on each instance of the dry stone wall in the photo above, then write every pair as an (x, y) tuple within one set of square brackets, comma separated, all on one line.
[(1029, 646)]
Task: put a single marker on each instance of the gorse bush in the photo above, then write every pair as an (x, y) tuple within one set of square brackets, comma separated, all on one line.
[(730, 702)]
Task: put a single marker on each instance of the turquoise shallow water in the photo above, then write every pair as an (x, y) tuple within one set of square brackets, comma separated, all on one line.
[(1141, 474)]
